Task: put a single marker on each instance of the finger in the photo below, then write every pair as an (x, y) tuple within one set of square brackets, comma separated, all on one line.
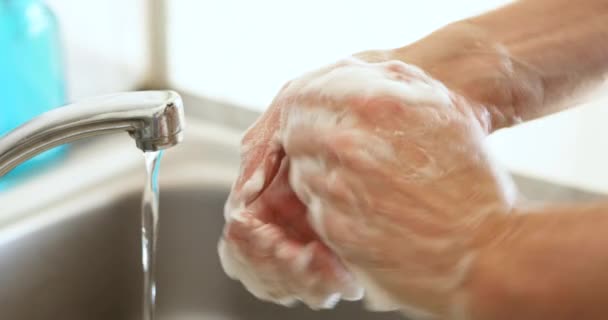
[(245, 258), (306, 141), (279, 198), (334, 187), (261, 281), (258, 167), (278, 204), (248, 252), (326, 289), (261, 155), (355, 149), (279, 270), (303, 81)]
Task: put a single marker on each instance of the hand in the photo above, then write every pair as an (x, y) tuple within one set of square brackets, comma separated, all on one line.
[(268, 243), (397, 188)]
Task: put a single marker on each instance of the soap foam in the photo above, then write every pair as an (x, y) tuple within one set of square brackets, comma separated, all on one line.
[(350, 78)]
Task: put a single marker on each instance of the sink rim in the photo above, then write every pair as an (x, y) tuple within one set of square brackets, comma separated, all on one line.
[(122, 171)]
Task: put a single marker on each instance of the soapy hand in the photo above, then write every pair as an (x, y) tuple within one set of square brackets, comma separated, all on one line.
[(364, 176), (268, 243)]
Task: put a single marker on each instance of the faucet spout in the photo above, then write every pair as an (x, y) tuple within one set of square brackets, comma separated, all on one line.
[(155, 119)]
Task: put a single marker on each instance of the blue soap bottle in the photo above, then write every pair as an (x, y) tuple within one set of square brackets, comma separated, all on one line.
[(31, 75)]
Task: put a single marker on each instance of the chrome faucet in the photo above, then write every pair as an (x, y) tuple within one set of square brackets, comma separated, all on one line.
[(155, 119)]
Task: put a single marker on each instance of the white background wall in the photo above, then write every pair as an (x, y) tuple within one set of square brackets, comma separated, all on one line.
[(569, 147), (106, 44), (242, 51)]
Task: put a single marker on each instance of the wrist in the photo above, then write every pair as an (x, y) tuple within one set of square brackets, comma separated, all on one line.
[(486, 286), (485, 114), (521, 271), (467, 60)]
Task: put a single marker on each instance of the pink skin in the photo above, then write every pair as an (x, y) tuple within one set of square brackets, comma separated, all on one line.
[(433, 229), (276, 209), (270, 236), (283, 215), (367, 178)]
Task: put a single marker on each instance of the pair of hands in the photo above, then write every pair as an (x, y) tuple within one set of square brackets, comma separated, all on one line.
[(365, 179)]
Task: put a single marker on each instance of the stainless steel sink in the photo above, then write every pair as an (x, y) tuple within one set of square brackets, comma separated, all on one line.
[(78, 257), (88, 267)]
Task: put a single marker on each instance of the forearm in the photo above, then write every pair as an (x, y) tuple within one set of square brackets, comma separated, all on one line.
[(550, 264), (522, 61), (561, 44)]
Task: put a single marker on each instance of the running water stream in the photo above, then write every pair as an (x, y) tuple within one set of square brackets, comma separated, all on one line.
[(149, 232)]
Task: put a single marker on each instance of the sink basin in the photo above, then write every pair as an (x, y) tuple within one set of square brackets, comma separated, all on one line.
[(78, 257), (88, 266)]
